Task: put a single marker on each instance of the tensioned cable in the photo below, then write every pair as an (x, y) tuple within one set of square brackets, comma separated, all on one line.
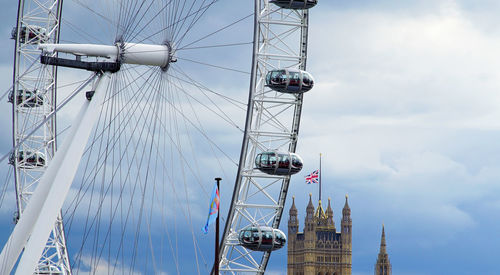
[(223, 116), (214, 66), (194, 20), (25, 72), (81, 32), (217, 31), (238, 104), (130, 164), (214, 46), (6, 92), (234, 102), (200, 125), (199, 130), (183, 174), (149, 22), (99, 15), (184, 18), (107, 138), (48, 118), (4, 189), (98, 135)]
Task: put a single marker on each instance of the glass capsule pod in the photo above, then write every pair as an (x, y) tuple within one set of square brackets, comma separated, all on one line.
[(276, 163), (290, 81), (25, 98), (30, 34), (262, 238), (28, 159), (295, 4)]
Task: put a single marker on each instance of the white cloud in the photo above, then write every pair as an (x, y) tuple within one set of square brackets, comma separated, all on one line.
[(102, 267), (402, 110)]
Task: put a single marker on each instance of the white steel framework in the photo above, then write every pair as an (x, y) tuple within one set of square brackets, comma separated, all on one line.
[(273, 119), (272, 123), (33, 99)]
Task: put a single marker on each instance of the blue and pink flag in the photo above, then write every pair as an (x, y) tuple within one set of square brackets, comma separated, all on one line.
[(213, 212)]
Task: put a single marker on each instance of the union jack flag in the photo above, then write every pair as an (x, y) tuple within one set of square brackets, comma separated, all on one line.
[(313, 177)]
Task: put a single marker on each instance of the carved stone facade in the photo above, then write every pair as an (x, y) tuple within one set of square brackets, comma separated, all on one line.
[(320, 249)]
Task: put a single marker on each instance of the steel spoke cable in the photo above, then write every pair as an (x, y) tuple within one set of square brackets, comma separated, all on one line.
[(194, 20), (178, 144), (131, 31), (26, 137), (129, 210), (177, 13), (165, 174), (134, 34), (90, 146), (98, 135), (173, 107), (214, 66), (144, 186), (214, 46), (200, 125), (99, 15), (5, 185), (189, 139), (87, 227), (223, 116), (172, 140), (132, 16), (172, 24), (82, 33), (240, 105), (110, 185), (216, 31)]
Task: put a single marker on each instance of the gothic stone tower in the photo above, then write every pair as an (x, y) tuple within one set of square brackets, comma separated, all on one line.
[(320, 249), (383, 265)]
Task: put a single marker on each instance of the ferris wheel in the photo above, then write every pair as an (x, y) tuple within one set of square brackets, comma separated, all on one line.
[(158, 84)]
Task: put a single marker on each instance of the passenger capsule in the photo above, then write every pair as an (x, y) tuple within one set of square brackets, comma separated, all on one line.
[(291, 81), (295, 4), (274, 163), (262, 238), (28, 159), (25, 98), (31, 34)]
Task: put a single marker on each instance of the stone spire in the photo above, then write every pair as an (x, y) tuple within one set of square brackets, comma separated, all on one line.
[(329, 214), (293, 209), (383, 265), (309, 222), (347, 210), (346, 238), (383, 249), (293, 222), (310, 206)]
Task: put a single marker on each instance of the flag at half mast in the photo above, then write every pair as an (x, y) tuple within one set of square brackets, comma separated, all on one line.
[(213, 212), (313, 177)]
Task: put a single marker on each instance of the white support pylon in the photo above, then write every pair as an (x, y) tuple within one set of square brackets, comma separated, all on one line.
[(48, 198)]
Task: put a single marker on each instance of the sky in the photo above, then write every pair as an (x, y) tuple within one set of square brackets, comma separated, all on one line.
[(404, 111)]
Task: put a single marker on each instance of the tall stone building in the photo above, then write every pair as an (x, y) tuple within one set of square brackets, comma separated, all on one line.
[(383, 265), (320, 249)]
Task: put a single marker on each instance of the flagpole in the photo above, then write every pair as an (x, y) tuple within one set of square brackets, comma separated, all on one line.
[(216, 258), (319, 176)]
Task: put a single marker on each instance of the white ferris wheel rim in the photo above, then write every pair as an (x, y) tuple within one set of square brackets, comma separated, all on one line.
[(246, 138)]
